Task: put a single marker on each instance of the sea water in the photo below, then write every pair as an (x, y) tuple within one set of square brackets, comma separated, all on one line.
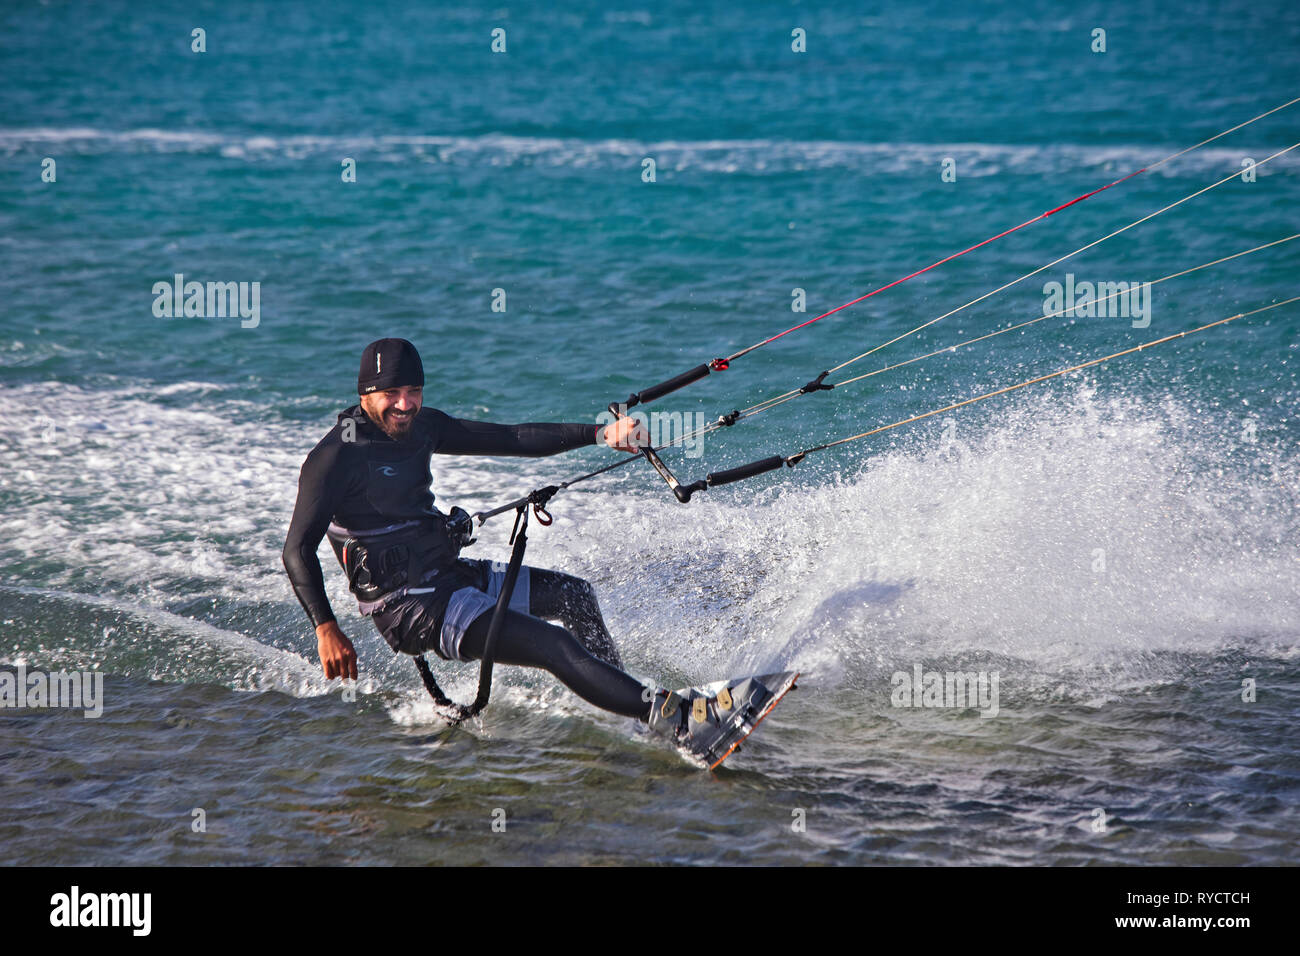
[(1118, 547)]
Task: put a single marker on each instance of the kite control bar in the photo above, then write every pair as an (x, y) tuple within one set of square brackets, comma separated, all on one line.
[(620, 411), (715, 478), (671, 385)]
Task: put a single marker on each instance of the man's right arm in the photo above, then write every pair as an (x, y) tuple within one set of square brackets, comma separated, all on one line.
[(320, 488), (321, 485)]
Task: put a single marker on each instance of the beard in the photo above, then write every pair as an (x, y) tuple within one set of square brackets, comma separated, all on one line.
[(391, 424), (398, 434), (397, 428)]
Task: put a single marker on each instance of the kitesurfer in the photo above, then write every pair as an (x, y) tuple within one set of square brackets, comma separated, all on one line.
[(367, 487)]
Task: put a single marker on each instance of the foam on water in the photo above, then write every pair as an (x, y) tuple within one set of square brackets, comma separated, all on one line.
[(175, 648), (749, 156), (1070, 532), (152, 494), (1067, 533)]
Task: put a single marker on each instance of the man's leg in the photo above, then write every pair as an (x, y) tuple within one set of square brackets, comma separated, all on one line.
[(556, 596), (527, 641)]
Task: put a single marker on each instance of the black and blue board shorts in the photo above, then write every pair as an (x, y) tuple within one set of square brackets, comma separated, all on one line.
[(436, 615)]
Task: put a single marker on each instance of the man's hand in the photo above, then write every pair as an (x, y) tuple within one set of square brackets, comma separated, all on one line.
[(337, 655), (626, 434)]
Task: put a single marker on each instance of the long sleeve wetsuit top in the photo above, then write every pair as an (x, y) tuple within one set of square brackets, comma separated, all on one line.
[(360, 479)]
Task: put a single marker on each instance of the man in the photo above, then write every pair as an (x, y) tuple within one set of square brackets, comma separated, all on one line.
[(366, 485)]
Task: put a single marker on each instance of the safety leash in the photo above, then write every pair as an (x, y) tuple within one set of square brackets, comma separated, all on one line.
[(519, 539)]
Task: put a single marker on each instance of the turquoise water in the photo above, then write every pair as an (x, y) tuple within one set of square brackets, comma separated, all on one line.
[(150, 463)]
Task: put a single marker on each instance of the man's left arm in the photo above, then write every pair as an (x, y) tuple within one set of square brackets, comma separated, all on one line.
[(461, 436)]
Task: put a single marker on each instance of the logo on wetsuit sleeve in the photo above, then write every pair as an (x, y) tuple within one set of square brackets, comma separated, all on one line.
[(387, 471)]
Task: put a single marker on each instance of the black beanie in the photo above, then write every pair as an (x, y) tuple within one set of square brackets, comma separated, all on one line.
[(389, 363)]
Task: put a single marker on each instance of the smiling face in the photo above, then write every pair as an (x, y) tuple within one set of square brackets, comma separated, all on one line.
[(393, 409)]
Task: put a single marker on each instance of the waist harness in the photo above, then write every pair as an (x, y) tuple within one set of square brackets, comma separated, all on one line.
[(382, 564)]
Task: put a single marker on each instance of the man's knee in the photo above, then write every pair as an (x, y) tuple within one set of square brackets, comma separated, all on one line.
[(562, 579), (552, 590), (581, 589)]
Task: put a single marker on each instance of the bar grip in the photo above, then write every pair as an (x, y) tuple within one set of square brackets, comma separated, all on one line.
[(744, 471), (672, 385)]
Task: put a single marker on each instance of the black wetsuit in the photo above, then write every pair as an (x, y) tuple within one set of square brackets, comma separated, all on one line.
[(357, 482)]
